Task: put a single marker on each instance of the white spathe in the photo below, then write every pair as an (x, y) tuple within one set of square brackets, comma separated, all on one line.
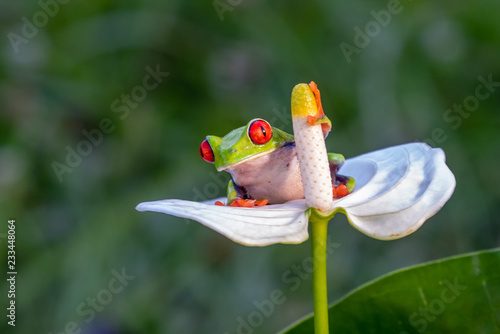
[(397, 190)]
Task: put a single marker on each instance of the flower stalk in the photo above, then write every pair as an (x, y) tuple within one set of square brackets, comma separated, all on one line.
[(319, 234)]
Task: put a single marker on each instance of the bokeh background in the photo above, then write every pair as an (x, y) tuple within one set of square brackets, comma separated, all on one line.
[(227, 63)]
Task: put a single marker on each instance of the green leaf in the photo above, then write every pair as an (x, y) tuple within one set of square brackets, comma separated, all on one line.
[(454, 295)]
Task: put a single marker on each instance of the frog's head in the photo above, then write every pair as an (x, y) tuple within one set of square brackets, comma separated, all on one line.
[(255, 139)]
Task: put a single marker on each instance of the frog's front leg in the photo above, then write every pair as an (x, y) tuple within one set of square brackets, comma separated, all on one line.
[(234, 192), (342, 185), (238, 196)]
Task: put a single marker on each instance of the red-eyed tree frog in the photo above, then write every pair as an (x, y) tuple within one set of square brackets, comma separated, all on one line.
[(262, 161)]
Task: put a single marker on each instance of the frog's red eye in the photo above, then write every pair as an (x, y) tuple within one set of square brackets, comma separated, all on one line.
[(206, 152), (260, 132)]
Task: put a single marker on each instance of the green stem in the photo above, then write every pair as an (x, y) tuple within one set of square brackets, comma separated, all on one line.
[(319, 233)]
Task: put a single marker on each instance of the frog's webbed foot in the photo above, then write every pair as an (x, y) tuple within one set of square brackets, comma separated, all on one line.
[(245, 203), (342, 185), (319, 117), (239, 197), (248, 203)]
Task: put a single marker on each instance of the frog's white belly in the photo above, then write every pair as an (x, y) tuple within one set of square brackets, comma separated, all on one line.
[(274, 176)]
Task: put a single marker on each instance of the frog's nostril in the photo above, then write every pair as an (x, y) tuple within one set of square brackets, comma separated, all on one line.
[(235, 150)]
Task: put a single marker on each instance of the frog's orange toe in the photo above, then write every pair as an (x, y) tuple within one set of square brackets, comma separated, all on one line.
[(319, 117), (236, 203), (340, 191), (262, 202), (243, 203), (219, 203), (247, 203)]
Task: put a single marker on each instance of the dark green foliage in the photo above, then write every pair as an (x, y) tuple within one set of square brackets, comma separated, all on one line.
[(64, 82), (454, 295)]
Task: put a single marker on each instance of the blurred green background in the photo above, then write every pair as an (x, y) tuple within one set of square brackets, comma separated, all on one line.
[(65, 68)]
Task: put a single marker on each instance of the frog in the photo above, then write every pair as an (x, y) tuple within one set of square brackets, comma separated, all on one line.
[(263, 164)]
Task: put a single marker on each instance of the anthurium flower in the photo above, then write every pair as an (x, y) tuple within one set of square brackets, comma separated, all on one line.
[(386, 194), (397, 190)]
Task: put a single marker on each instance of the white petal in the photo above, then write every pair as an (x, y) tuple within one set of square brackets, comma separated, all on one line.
[(397, 189), (260, 226)]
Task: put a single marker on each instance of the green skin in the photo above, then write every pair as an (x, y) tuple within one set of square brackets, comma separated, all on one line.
[(267, 171)]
